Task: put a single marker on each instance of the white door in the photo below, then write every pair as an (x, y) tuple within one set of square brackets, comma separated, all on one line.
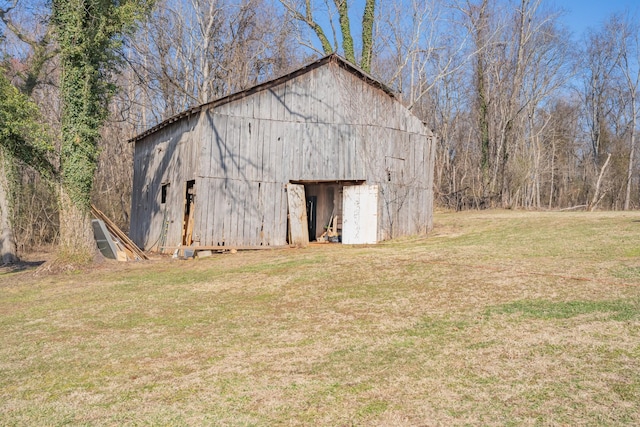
[(298, 226), (360, 214)]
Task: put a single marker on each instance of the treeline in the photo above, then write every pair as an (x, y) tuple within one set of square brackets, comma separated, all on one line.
[(526, 114)]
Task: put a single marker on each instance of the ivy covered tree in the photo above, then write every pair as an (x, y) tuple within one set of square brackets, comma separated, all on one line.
[(303, 12), (90, 34)]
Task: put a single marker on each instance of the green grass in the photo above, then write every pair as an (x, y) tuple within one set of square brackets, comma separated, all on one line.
[(497, 318), (620, 310)]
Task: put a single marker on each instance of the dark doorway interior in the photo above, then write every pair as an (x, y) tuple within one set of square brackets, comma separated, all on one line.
[(189, 210), (327, 205), (323, 207), (312, 202)]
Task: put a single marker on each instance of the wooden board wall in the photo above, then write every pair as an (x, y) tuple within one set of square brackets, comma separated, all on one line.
[(167, 156), (326, 124)]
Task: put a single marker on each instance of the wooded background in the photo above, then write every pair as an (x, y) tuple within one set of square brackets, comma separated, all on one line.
[(526, 114)]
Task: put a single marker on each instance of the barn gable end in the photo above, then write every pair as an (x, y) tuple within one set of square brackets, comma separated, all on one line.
[(218, 174)]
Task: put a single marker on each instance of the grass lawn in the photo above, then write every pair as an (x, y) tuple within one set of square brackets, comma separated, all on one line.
[(497, 318)]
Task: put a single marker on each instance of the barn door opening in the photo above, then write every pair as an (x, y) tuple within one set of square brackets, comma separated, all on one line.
[(298, 223), (360, 214), (189, 211), (312, 203)]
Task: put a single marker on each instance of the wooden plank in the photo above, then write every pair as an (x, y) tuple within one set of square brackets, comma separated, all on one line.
[(244, 149), (352, 112), (245, 214), (201, 215), (324, 108), (263, 159), (348, 152), (232, 212), (312, 158), (280, 102), (280, 153), (234, 136), (206, 144), (195, 145), (243, 196), (289, 102), (217, 220), (268, 164), (258, 105), (115, 230), (281, 216), (253, 215), (312, 98), (292, 107), (266, 200), (266, 105), (249, 106), (138, 223), (297, 215), (222, 212), (260, 215), (336, 96), (258, 150), (335, 146), (273, 103), (253, 156), (358, 167), (277, 223), (205, 209), (225, 247), (320, 146), (271, 162), (294, 146)]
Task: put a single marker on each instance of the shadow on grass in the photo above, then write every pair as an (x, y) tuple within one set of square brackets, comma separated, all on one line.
[(20, 266)]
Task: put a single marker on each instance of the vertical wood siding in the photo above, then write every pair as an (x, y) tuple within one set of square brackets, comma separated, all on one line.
[(324, 125), (167, 156)]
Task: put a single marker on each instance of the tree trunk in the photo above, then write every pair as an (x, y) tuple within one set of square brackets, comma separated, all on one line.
[(8, 249), (345, 29), (77, 244), (480, 28), (627, 199), (368, 18), (553, 155), (596, 194)]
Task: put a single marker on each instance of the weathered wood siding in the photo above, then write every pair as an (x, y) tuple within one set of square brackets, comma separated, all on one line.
[(167, 156), (326, 124)]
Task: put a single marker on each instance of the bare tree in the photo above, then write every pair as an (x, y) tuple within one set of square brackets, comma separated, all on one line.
[(521, 53), (610, 92), (305, 12), (196, 51), (629, 66)]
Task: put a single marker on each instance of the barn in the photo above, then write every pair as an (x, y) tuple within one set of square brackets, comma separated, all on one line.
[(324, 151)]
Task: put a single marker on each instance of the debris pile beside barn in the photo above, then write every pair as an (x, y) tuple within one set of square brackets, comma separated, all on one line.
[(112, 242)]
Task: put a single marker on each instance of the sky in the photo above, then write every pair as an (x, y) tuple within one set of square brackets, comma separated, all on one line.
[(583, 14)]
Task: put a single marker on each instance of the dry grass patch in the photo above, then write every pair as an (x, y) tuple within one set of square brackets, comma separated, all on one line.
[(498, 318)]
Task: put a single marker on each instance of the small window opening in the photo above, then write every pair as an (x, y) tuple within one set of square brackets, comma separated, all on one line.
[(163, 193)]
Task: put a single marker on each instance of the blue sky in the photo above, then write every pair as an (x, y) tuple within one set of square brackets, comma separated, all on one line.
[(582, 14)]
